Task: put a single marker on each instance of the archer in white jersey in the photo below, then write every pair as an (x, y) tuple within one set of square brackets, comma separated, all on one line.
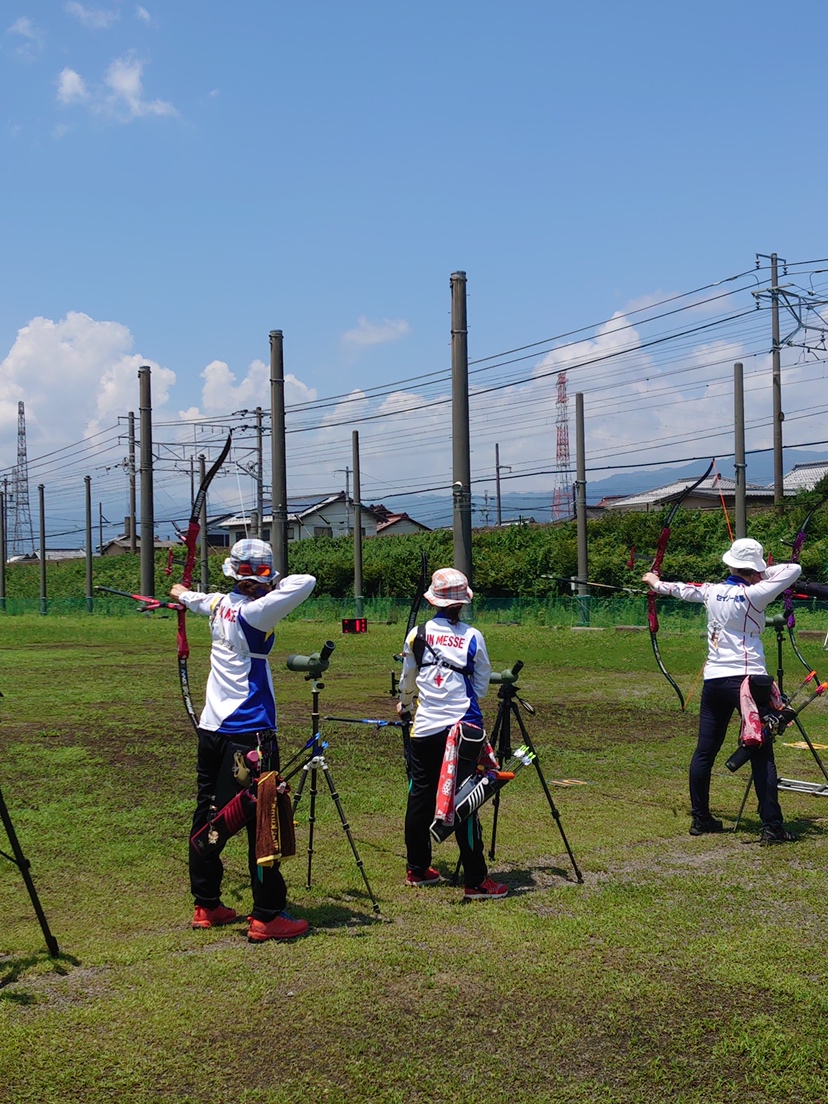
[(735, 620)]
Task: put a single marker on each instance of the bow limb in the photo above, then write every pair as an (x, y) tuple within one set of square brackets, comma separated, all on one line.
[(788, 596), (190, 540), (658, 559), (405, 718), (418, 596)]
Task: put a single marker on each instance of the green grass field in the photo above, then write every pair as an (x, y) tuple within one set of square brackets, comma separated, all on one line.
[(683, 969)]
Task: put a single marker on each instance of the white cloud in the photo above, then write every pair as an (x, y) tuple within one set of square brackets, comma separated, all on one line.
[(95, 19), (124, 81), (74, 376), (221, 393), (144, 15), (71, 87), (120, 96), (376, 333), (32, 36)]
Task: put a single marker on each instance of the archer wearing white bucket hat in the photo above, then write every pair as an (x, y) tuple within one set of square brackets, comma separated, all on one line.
[(746, 553), (735, 620), (446, 668)]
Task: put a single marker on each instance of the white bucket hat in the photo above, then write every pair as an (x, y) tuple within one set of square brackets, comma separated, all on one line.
[(251, 559), (449, 587), (745, 554)]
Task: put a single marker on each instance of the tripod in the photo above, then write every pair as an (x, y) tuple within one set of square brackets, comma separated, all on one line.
[(501, 742), (20, 861), (315, 665), (816, 788)]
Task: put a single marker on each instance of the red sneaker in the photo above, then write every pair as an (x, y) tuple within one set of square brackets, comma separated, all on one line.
[(213, 918), (282, 926), (486, 890), (428, 877)]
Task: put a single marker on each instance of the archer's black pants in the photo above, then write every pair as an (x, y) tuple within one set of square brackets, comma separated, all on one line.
[(719, 701), (426, 760), (268, 885)]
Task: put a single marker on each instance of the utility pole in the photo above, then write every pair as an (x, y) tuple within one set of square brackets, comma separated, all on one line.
[(739, 465), (133, 529), (797, 304), (278, 495), (147, 517), (3, 549), (461, 457), (357, 527), (259, 476), (90, 601), (580, 510), (498, 468), (347, 471), (41, 491), (202, 521), (778, 416)]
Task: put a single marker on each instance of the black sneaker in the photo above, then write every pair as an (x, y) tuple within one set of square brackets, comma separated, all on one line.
[(702, 825), (775, 833)]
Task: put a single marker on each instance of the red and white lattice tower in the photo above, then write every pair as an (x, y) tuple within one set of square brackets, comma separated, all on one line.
[(20, 538), (562, 489)]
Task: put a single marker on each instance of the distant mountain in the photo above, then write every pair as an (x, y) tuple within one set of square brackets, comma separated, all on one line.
[(436, 510)]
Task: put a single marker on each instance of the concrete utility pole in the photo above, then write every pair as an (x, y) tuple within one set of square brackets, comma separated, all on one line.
[(778, 416), (133, 538), (357, 527), (461, 458), (798, 305), (347, 471), (739, 465), (202, 521), (259, 477), (498, 468), (2, 550), (41, 490), (90, 603), (580, 510), (147, 518), (278, 497)]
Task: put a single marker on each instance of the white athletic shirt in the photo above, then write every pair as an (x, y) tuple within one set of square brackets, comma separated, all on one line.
[(239, 694), (445, 696), (735, 618)]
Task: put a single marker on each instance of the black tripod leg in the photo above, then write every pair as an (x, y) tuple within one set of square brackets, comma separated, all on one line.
[(552, 807), (347, 830), (742, 806), (502, 745), (22, 863), (311, 821), (306, 770), (811, 747)]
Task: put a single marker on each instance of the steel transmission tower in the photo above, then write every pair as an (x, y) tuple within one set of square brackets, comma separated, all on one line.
[(562, 489), (21, 534)]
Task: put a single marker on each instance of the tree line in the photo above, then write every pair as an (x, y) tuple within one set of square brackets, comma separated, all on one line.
[(532, 561)]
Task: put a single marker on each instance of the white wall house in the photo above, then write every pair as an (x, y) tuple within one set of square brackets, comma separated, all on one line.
[(330, 517)]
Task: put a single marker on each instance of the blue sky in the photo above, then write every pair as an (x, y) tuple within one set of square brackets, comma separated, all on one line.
[(180, 179)]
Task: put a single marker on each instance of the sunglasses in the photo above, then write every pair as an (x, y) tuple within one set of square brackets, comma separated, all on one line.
[(263, 571)]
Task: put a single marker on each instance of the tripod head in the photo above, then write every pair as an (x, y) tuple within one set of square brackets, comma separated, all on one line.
[(314, 664)]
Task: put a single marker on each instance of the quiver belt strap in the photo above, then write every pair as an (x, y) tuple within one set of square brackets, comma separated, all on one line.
[(230, 819), (275, 831)]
